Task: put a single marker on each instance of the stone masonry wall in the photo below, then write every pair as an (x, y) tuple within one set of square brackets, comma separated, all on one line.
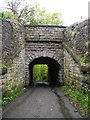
[(36, 50), (73, 77), (13, 57), (12, 40), (76, 36), (44, 33), (43, 41), (75, 49), (0, 47), (15, 74), (0, 66)]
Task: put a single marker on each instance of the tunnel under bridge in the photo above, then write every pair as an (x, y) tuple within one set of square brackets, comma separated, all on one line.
[(43, 45)]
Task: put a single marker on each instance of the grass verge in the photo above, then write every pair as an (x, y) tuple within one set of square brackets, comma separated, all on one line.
[(79, 99), (13, 94)]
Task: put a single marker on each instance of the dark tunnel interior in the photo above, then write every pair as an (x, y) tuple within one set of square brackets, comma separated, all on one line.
[(53, 70)]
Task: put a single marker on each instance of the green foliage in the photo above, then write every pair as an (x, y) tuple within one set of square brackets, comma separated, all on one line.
[(87, 43), (8, 15), (38, 16), (5, 65), (40, 72), (81, 59), (28, 16), (55, 19), (78, 98), (33, 15), (12, 17), (5, 15), (73, 32), (12, 95), (41, 16)]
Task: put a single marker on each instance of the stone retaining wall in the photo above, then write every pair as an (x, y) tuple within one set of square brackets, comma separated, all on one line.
[(75, 50), (13, 56), (73, 77), (12, 40), (15, 75), (0, 47), (76, 36)]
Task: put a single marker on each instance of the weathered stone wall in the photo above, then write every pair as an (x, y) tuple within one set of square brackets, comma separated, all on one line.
[(43, 41), (13, 56), (76, 36), (44, 33), (15, 74), (12, 40), (75, 49), (0, 47), (0, 66), (36, 50), (73, 77), (7, 40)]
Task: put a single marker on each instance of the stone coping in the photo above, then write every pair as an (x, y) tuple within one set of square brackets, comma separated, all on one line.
[(45, 26)]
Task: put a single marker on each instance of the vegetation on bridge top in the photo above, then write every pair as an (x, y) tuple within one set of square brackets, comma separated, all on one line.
[(32, 15)]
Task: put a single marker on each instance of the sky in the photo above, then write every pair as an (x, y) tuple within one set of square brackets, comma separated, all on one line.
[(72, 10)]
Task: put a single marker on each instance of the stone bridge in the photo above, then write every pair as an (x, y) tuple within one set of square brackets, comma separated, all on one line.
[(61, 48), (44, 46)]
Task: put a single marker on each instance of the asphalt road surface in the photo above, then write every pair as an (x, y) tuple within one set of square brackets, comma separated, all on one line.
[(39, 102)]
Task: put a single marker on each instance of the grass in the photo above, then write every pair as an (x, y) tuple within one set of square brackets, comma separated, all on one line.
[(79, 99), (13, 94)]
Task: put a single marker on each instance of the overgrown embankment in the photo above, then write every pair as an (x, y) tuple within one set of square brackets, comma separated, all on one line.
[(76, 57), (78, 99)]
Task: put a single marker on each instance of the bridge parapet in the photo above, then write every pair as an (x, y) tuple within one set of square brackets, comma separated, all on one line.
[(44, 33)]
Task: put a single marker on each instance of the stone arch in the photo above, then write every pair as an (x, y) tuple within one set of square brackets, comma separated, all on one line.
[(53, 69), (39, 54), (43, 55)]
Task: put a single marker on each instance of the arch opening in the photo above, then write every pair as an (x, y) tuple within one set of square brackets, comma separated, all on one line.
[(40, 73), (53, 70)]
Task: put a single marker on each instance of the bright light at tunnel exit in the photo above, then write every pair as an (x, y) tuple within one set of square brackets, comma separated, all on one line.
[(40, 73)]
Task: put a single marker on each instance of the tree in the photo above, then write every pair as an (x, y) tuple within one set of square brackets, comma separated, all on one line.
[(43, 17), (18, 12), (27, 15), (56, 19), (13, 6), (32, 15), (8, 15)]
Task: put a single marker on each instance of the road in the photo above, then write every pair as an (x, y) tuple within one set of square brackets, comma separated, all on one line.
[(40, 102)]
